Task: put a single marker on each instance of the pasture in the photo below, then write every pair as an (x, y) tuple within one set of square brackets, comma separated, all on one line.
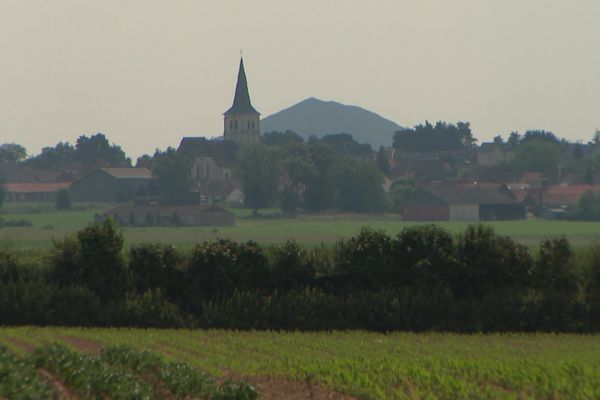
[(360, 364), (310, 230)]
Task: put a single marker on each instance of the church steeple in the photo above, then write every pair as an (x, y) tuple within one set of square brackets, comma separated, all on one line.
[(242, 120), (241, 100)]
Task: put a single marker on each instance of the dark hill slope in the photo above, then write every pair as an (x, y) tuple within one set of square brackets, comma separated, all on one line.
[(316, 117)]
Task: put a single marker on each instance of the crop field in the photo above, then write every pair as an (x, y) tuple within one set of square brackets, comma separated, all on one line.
[(349, 364), (308, 230)]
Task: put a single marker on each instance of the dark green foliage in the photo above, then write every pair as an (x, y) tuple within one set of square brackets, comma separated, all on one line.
[(89, 376), (537, 155), (259, 170), (442, 136), (20, 380), (281, 138), (172, 170), (382, 161), (424, 278), (219, 268), (488, 262), (359, 186), (93, 258), (290, 267), (588, 207), (94, 150), (399, 192), (12, 152), (63, 200), (154, 265), (344, 144)]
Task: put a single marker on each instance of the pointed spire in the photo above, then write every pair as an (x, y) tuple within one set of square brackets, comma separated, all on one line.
[(241, 101)]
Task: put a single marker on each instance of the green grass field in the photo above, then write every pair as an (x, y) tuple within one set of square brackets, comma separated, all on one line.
[(365, 365), (309, 230)]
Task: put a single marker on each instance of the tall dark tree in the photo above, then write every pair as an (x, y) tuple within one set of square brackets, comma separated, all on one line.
[(382, 161), (12, 152), (441, 137), (281, 138), (359, 186), (344, 144), (259, 170), (173, 170)]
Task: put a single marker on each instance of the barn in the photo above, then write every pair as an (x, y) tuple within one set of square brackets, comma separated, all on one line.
[(453, 203), (112, 185)]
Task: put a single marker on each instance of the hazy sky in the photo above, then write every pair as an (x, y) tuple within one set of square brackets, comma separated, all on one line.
[(147, 72)]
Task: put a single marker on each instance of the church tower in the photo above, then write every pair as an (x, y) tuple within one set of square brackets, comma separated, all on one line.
[(242, 120)]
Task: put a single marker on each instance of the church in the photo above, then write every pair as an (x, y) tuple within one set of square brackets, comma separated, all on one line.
[(242, 121), (213, 160)]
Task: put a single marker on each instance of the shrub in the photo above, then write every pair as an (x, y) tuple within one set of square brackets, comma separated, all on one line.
[(63, 200)]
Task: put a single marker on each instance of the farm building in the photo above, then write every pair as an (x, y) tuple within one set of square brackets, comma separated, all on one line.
[(171, 215), (565, 196), (45, 191), (444, 203), (112, 185)]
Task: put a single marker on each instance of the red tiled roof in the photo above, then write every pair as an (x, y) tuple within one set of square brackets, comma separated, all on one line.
[(123, 173), (49, 187), (567, 195)]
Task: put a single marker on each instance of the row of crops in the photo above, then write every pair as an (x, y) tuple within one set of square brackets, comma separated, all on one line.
[(118, 373)]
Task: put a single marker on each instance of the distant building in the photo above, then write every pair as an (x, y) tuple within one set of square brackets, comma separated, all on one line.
[(45, 191), (171, 215), (112, 185), (489, 154), (455, 203), (242, 121)]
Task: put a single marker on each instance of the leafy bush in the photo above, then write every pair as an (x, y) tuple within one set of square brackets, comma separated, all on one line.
[(88, 375), (19, 379)]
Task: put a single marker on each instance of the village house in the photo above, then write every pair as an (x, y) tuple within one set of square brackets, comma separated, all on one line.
[(33, 192), (112, 185), (455, 203), (171, 215)]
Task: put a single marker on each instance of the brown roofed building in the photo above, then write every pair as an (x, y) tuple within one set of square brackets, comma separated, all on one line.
[(41, 192), (454, 203), (112, 185)]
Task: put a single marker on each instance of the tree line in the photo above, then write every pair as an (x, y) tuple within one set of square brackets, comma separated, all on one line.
[(422, 279)]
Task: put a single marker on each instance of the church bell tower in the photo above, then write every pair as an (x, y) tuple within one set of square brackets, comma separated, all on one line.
[(242, 121)]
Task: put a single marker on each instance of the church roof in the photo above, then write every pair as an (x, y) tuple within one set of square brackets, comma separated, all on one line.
[(241, 101)]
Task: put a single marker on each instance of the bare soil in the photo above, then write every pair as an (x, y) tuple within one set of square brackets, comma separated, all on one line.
[(61, 391), (82, 344)]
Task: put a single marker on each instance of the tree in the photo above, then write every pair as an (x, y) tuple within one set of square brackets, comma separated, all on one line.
[(172, 170), (514, 139), (259, 169), (12, 152), (96, 150), (344, 144), (382, 161), (2, 191), (319, 191), (359, 186), (53, 157), (63, 200), (281, 138), (441, 137), (400, 191), (93, 258), (537, 155)]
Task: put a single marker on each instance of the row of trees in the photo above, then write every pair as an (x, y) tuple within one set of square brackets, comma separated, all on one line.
[(312, 177), (93, 150), (422, 279)]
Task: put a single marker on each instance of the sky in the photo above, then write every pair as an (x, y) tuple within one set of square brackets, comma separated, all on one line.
[(148, 72)]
